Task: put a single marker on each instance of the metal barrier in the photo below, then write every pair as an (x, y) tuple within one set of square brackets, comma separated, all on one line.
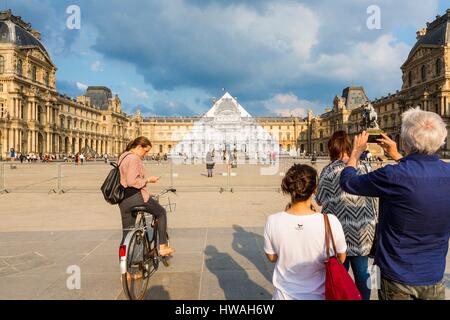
[(60, 178), (2, 180)]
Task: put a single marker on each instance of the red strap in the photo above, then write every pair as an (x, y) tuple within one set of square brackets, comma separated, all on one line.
[(328, 237)]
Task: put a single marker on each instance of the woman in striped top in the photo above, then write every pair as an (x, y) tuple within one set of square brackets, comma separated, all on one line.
[(358, 215)]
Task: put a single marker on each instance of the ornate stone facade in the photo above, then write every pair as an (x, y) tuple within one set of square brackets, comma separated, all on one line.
[(35, 118), (426, 84)]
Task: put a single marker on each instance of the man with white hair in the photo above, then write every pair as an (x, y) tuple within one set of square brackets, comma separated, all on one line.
[(414, 216)]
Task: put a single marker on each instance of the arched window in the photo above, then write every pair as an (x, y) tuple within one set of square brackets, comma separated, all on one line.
[(2, 64), (438, 67), (33, 74), (19, 67), (423, 72)]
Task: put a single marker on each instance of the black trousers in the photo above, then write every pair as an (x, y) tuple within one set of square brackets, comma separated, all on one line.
[(154, 208)]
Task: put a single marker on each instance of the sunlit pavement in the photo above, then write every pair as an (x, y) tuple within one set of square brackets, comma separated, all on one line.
[(218, 236)]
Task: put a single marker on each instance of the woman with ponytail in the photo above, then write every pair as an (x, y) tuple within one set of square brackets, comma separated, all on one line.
[(295, 240), (133, 179), (358, 215)]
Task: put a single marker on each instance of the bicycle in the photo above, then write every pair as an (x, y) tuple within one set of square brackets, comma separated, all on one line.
[(139, 254)]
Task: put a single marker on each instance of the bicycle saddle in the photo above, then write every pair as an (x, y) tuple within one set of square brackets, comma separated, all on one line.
[(135, 210)]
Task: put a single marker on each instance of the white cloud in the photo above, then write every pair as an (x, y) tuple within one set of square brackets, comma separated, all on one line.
[(288, 104), (97, 66), (377, 63), (140, 93), (81, 86), (254, 48)]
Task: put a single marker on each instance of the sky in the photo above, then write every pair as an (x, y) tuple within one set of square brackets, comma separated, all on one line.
[(278, 57)]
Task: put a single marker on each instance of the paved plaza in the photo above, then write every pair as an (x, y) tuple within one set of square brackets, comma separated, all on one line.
[(54, 217)]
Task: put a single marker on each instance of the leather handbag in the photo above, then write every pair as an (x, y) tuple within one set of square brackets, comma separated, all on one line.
[(338, 283)]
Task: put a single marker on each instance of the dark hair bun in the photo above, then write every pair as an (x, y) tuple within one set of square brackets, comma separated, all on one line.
[(299, 182)]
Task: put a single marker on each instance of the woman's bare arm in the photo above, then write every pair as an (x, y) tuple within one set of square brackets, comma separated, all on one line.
[(342, 257), (272, 257)]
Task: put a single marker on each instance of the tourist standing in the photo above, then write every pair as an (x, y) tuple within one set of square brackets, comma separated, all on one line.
[(358, 215), (314, 158), (274, 157), (414, 219), (295, 240), (209, 164)]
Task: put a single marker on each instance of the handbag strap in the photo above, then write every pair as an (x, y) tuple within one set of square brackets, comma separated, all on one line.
[(328, 236), (118, 165)]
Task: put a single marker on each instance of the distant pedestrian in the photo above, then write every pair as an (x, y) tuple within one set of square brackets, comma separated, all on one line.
[(209, 164), (12, 154), (274, 157), (82, 158), (314, 158)]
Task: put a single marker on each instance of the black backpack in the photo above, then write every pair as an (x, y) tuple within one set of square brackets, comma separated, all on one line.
[(112, 190)]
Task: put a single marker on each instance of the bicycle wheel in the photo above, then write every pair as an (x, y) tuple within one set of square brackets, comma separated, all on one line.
[(139, 265)]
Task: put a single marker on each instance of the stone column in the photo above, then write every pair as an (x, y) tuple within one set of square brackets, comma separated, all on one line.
[(21, 114), (4, 143), (33, 141), (29, 142), (19, 140), (16, 140), (11, 139), (447, 107), (12, 108)]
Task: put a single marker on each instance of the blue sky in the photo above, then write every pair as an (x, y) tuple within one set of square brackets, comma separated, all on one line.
[(277, 57)]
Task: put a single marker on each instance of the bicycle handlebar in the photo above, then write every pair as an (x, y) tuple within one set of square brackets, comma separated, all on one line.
[(173, 190)]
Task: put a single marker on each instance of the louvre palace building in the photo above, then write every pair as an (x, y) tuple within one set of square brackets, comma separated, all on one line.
[(35, 118)]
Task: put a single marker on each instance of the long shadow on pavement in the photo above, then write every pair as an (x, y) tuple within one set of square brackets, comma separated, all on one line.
[(233, 280), (242, 247), (157, 293)]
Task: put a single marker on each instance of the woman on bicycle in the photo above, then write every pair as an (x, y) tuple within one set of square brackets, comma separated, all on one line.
[(133, 179)]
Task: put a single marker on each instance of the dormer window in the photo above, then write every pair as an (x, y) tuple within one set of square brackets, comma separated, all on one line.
[(438, 67), (2, 64), (19, 67), (33, 73)]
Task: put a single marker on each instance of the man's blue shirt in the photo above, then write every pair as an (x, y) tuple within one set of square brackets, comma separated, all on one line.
[(414, 219)]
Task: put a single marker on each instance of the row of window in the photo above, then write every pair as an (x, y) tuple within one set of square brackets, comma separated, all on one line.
[(423, 71), (20, 71)]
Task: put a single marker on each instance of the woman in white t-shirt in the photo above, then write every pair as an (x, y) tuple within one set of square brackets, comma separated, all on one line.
[(295, 240)]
